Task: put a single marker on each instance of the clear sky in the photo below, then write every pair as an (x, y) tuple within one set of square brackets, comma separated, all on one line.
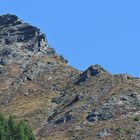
[(86, 32)]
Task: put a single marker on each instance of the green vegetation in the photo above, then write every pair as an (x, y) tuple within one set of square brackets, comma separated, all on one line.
[(136, 119), (129, 131), (12, 130)]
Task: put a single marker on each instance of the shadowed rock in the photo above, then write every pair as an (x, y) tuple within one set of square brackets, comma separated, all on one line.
[(13, 30), (92, 71)]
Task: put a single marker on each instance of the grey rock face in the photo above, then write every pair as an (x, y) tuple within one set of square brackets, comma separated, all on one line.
[(67, 118), (8, 55), (13, 30), (122, 105), (105, 113), (8, 19), (92, 71), (104, 132), (2, 70), (136, 136), (19, 41)]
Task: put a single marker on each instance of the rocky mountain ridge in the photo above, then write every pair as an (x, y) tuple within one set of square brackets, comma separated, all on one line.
[(58, 101)]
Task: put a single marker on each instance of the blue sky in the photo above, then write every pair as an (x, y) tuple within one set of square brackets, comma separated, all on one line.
[(86, 32)]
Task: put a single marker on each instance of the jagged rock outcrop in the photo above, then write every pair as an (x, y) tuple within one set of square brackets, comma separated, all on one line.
[(14, 30), (58, 101), (92, 71)]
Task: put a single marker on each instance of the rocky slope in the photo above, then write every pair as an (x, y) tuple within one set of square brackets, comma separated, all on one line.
[(58, 101)]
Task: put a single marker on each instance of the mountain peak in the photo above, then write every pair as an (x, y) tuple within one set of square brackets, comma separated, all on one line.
[(8, 19), (92, 71), (13, 30), (96, 70)]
